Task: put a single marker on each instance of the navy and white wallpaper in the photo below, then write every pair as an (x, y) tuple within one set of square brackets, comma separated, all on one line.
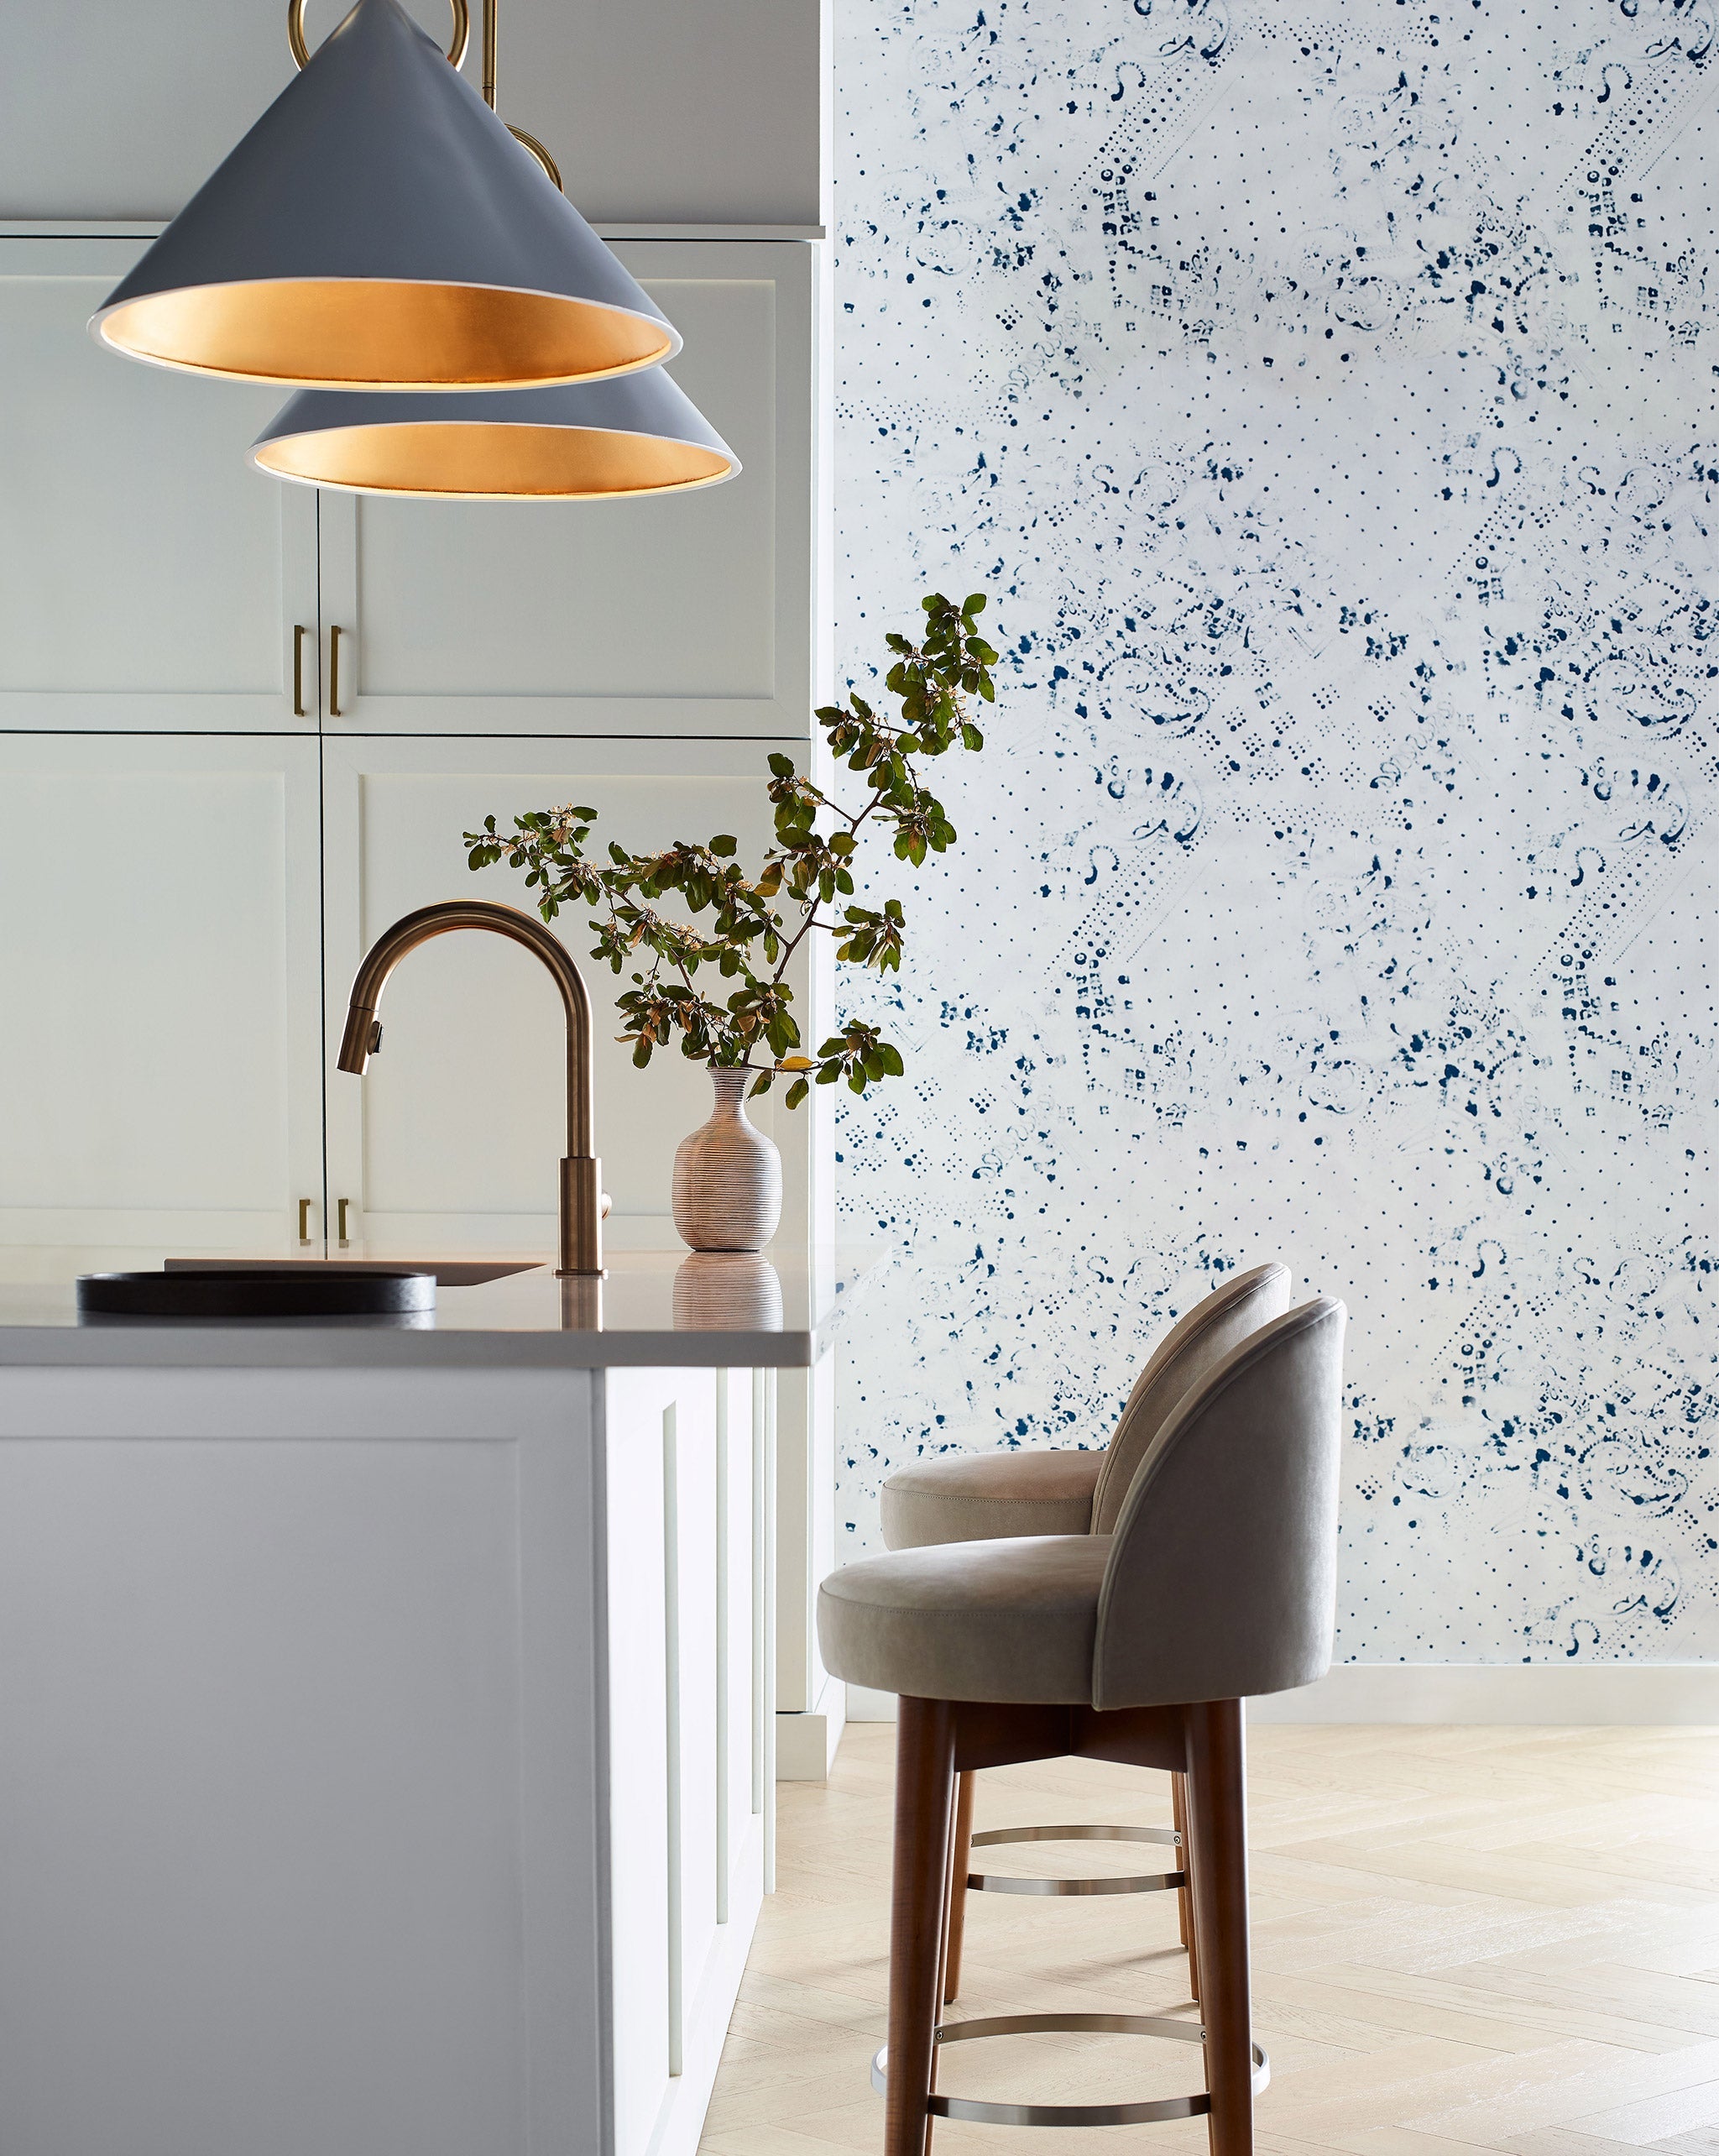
[(1327, 400)]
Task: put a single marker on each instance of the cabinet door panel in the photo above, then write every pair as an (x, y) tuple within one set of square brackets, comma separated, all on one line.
[(450, 1142), (696, 1602), (642, 1986), (678, 1939), (690, 614), (149, 578), (739, 1627), (159, 1082)]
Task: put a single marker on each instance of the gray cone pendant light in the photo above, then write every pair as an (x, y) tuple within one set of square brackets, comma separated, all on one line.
[(380, 227), (595, 440)]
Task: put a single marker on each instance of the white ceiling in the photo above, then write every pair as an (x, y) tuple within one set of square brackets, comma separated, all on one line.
[(655, 109)]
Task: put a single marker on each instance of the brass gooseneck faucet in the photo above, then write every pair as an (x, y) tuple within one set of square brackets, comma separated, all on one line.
[(581, 1250)]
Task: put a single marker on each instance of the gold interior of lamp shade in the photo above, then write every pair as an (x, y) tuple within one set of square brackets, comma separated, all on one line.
[(469, 461), (366, 333)]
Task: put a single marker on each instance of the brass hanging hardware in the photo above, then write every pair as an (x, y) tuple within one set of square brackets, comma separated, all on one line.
[(456, 51), (456, 54), (539, 152)]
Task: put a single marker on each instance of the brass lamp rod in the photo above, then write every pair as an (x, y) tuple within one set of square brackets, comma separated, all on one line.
[(491, 9), (456, 54)]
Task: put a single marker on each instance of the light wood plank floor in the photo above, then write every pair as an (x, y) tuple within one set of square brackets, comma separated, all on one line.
[(1464, 1938)]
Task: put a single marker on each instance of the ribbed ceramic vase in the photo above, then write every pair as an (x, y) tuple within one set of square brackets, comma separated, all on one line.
[(728, 1188)]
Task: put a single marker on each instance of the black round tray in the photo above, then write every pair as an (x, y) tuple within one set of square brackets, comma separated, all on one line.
[(294, 1291)]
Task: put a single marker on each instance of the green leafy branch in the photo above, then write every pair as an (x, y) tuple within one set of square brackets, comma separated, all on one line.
[(757, 923)]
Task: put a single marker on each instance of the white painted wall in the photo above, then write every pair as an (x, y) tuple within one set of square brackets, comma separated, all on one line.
[(655, 109)]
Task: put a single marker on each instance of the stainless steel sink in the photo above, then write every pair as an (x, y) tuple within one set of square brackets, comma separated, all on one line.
[(448, 1272), (198, 1292)]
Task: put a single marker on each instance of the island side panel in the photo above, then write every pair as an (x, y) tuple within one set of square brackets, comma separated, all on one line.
[(300, 1796), (686, 1795)]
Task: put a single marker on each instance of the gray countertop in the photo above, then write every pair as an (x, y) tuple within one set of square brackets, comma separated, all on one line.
[(706, 1310)]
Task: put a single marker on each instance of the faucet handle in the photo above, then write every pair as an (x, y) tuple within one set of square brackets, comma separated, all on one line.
[(581, 1210)]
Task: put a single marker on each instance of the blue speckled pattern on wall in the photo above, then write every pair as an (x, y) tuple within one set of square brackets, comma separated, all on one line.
[(1328, 401)]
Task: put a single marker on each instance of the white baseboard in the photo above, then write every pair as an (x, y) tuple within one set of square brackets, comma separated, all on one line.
[(1574, 1694), (1570, 1693), (806, 1743)]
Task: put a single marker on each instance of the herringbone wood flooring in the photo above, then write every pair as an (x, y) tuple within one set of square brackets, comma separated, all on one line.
[(1503, 1939)]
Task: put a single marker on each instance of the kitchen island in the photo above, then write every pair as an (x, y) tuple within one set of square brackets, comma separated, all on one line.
[(389, 1717)]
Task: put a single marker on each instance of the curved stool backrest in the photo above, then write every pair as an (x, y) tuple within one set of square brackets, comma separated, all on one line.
[(1221, 1580), (1183, 1358)]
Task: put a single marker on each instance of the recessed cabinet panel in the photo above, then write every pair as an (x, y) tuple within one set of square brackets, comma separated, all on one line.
[(452, 1139), (158, 1063), (150, 579), (687, 614), (646, 1998), (685, 1635), (269, 1692)]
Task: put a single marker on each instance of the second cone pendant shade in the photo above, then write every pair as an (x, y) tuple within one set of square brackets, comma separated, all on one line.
[(592, 442), (380, 227)]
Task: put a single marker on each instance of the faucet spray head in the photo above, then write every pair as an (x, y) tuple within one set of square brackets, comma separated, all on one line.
[(361, 1040)]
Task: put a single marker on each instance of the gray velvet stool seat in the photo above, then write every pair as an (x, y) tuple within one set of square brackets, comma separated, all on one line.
[(970, 1497), (979, 1496), (1217, 1583)]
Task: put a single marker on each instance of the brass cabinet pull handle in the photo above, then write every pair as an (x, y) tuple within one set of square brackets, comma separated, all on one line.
[(334, 710), (304, 1220), (341, 1207), (299, 634)]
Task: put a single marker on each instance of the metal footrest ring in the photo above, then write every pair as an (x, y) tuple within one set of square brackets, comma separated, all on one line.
[(1150, 1882), (982, 2113)]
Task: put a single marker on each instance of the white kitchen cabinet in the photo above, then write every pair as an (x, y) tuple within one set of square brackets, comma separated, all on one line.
[(161, 1060), (150, 579), (450, 1142), (691, 614), (385, 1734)]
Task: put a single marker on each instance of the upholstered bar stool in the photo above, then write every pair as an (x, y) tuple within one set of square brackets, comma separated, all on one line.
[(980, 1497), (1217, 1583)]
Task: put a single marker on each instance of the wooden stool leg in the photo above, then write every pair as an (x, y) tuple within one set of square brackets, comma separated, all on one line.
[(1184, 1894), (1217, 1808), (925, 1759), (960, 1864)]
